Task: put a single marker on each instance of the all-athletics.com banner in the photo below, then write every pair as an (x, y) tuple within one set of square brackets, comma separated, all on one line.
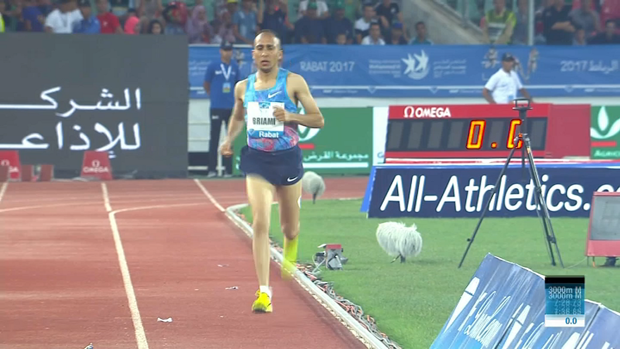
[(61, 95)]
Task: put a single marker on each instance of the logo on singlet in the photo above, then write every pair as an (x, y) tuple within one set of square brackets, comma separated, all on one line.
[(271, 95)]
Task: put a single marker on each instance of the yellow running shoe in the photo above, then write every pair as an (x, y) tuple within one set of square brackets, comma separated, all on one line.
[(289, 264), (262, 304)]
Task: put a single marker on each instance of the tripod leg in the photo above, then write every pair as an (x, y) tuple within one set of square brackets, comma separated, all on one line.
[(540, 202), (486, 208)]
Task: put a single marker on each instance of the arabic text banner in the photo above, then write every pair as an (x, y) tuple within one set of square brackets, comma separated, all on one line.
[(344, 146), (70, 95), (463, 190), (434, 71), (495, 313)]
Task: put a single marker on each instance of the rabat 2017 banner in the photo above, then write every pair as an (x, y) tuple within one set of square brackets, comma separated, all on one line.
[(126, 95)]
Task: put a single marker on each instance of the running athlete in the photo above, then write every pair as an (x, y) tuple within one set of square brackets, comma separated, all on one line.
[(272, 161)]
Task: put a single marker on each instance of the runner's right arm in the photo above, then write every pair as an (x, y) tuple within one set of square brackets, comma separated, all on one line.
[(237, 119)]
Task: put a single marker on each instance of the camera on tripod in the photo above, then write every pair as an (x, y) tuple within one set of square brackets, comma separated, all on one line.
[(523, 138)]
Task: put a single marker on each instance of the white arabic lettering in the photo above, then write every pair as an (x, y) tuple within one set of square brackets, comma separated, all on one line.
[(44, 96), (120, 138)]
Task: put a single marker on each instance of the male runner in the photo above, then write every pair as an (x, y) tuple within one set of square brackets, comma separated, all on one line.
[(272, 161)]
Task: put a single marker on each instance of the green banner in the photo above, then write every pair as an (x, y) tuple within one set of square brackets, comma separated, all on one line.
[(343, 146), (605, 132)]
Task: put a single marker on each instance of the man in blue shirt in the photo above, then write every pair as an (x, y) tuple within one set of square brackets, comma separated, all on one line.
[(220, 80), (89, 24)]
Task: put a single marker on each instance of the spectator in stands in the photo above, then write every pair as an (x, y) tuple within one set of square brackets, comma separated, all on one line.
[(12, 16), (421, 37), (132, 23), (388, 13), (273, 16), (396, 36), (608, 37), (198, 27), (322, 11), (61, 20), (522, 23), (155, 27), (338, 24), (374, 35), (175, 15), (223, 29), (244, 23), (580, 37), (45, 6), (2, 7), (89, 23), (109, 22), (558, 28), (503, 86), (498, 24), (149, 10), (341, 39), (587, 18), (362, 25), (309, 28), (32, 18)]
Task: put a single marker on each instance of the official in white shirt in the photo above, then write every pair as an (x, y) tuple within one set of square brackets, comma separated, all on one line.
[(503, 86)]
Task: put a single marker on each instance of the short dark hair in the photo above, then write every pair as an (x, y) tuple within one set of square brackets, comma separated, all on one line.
[(272, 33)]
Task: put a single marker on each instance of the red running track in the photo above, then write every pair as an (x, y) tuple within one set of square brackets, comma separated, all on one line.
[(63, 257)]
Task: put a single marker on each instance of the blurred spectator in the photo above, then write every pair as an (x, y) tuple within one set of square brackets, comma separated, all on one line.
[(2, 7), (109, 22), (498, 24), (62, 19), (341, 39), (396, 35), (338, 24), (149, 10), (362, 25), (608, 37), (12, 16), (155, 27), (45, 6), (198, 28), (352, 9), (89, 23), (374, 35), (32, 18), (421, 37), (175, 15), (273, 16), (520, 32), (558, 28), (121, 8), (388, 13), (223, 29), (580, 37), (587, 18), (309, 28), (244, 23), (322, 11), (132, 23)]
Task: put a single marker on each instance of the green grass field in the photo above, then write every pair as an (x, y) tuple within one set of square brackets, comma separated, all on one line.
[(412, 301)]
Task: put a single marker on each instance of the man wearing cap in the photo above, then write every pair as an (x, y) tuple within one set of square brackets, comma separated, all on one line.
[(503, 86), (220, 80), (89, 24), (338, 24)]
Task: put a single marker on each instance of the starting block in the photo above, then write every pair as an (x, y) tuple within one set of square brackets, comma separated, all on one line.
[(27, 174), (96, 164), (332, 257), (46, 173), (10, 158)]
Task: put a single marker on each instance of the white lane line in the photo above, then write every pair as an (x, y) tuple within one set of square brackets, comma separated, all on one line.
[(3, 190), (122, 261), (209, 196)]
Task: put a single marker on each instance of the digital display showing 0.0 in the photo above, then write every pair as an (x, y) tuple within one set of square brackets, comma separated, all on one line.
[(476, 134)]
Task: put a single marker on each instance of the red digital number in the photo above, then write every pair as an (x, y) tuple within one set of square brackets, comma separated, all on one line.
[(476, 124), (511, 134)]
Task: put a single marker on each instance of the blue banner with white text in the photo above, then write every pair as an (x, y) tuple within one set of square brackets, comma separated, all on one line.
[(604, 332), (433, 71), (463, 191)]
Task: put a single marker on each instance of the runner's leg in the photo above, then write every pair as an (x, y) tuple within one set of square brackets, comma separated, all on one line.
[(260, 195), (289, 199)]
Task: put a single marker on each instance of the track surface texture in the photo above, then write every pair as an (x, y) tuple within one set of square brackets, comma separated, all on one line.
[(100, 263)]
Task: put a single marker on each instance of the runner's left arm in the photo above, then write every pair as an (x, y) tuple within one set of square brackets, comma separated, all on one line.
[(313, 117)]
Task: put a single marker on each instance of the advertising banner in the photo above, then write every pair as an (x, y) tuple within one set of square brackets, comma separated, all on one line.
[(605, 132), (499, 294), (438, 71), (343, 146), (463, 190), (69, 95), (604, 330)]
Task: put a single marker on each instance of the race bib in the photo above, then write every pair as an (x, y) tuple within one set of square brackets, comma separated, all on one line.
[(261, 121)]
